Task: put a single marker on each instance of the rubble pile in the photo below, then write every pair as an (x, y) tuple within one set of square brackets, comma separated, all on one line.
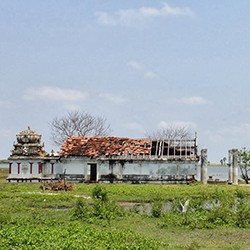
[(57, 186), (104, 146)]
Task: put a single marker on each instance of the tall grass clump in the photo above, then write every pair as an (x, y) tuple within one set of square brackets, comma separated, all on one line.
[(156, 209), (102, 207)]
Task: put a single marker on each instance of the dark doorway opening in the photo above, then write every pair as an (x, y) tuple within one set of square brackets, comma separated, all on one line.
[(93, 172)]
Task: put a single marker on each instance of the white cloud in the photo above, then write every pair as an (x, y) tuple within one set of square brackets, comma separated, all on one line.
[(135, 65), (151, 75), (129, 16), (139, 66), (134, 126), (113, 98), (193, 100), (54, 93), (104, 18), (166, 10)]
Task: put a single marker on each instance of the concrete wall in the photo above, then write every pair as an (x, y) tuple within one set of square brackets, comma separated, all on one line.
[(122, 171), (79, 169)]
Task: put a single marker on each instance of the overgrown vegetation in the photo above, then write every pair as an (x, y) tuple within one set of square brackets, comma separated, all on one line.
[(244, 158), (102, 209), (89, 217)]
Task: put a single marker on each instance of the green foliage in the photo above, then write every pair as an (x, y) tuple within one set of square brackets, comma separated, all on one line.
[(100, 193), (244, 156), (102, 207), (156, 209), (70, 236), (82, 210), (30, 219)]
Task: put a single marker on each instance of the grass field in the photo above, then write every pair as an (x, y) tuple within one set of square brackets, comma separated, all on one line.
[(217, 217)]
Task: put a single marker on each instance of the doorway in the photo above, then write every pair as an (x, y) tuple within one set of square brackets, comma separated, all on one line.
[(92, 172)]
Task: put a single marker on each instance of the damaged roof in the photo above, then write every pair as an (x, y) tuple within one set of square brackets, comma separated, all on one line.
[(104, 146)]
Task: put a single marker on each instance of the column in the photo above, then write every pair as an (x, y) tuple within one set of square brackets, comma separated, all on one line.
[(230, 166), (235, 166), (10, 163), (40, 168), (18, 167), (204, 166), (31, 165), (52, 167)]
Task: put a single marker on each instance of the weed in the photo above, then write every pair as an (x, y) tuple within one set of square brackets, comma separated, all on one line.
[(156, 209)]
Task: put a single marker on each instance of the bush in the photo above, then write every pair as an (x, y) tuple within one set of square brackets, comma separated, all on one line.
[(102, 208), (100, 193), (156, 209), (82, 210)]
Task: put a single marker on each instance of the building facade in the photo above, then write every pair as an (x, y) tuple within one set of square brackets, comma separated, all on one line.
[(105, 159)]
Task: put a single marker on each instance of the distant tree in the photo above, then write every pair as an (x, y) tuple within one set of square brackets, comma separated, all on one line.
[(77, 123), (224, 160), (244, 159), (171, 132)]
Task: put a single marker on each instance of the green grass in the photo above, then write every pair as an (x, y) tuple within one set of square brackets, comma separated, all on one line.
[(33, 219)]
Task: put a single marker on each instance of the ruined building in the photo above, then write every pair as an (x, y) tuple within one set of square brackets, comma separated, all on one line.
[(105, 159)]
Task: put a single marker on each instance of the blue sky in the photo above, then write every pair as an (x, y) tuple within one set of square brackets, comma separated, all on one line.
[(141, 64)]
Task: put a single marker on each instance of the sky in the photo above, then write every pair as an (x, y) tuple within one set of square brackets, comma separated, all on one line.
[(142, 65)]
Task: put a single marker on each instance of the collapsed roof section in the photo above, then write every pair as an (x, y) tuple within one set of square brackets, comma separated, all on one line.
[(104, 146), (110, 147)]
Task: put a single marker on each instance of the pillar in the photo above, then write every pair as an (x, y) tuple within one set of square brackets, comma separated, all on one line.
[(10, 163), (31, 164), (235, 165), (204, 166), (40, 168), (18, 167), (230, 166), (52, 167)]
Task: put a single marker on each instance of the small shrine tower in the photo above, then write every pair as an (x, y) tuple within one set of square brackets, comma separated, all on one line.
[(28, 144), (29, 161)]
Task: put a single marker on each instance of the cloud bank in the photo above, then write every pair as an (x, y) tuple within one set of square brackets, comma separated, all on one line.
[(129, 16), (54, 94), (192, 100)]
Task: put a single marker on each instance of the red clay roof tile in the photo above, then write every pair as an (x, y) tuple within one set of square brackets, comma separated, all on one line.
[(98, 146)]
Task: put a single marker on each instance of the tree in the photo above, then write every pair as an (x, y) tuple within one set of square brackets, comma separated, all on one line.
[(223, 161), (172, 132), (244, 158), (77, 123)]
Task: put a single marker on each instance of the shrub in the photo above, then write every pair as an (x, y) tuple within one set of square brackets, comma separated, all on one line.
[(156, 209), (99, 192), (102, 208), (82, 210)]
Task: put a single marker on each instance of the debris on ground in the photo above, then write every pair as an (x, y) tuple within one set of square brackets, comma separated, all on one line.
[(61, 185)]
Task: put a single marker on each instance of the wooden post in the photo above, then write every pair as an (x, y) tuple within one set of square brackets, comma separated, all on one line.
[(204, 166)]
